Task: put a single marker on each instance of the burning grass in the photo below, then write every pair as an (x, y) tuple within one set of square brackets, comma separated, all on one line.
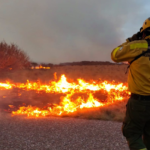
[(112, 112), (66, 97)]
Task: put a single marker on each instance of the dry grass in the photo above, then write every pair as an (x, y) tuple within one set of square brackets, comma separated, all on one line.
[(115, 111), (103, 72)]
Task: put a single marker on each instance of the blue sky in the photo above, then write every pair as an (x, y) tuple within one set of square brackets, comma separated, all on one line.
[(55, 31)]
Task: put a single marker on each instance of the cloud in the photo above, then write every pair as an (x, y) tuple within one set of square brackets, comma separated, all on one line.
[(70, 30)]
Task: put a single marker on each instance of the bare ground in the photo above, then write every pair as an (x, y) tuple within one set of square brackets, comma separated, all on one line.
[(54, 133)]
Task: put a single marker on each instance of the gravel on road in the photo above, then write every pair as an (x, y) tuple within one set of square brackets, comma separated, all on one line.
[(55, 133)]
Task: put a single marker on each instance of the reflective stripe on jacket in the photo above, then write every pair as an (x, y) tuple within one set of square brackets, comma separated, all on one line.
[(139, 72)]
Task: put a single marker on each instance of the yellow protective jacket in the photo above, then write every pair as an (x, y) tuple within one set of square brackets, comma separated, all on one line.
[(139, 71)]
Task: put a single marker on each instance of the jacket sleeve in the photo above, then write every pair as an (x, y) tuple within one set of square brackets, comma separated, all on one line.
[(128, 50)]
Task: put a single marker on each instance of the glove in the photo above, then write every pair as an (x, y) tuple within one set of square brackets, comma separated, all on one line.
[(136, 36)]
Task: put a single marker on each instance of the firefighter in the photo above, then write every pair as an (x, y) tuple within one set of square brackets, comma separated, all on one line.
[(136, 51)]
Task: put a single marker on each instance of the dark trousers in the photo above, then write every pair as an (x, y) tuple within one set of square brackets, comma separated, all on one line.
[(136, 124)]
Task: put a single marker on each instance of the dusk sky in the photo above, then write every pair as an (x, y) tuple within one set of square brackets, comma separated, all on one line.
[(57, 31)]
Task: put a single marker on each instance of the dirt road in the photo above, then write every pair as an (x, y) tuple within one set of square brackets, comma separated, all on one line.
[(21, 133)]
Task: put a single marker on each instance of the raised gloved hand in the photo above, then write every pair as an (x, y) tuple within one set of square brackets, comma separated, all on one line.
[(136, 36)]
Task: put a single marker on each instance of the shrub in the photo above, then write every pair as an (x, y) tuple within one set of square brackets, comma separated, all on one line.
[(12, 58)]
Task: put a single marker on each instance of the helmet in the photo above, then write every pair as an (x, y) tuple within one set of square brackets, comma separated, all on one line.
[(146, 25)]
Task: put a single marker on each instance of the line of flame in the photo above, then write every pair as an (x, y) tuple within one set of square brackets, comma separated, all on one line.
[(67, 105)]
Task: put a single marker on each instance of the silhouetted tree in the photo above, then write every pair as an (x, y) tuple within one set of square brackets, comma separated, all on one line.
[(11, 57)]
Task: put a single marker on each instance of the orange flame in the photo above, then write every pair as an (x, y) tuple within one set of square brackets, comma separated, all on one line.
[(115, 92), (40, 67)]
